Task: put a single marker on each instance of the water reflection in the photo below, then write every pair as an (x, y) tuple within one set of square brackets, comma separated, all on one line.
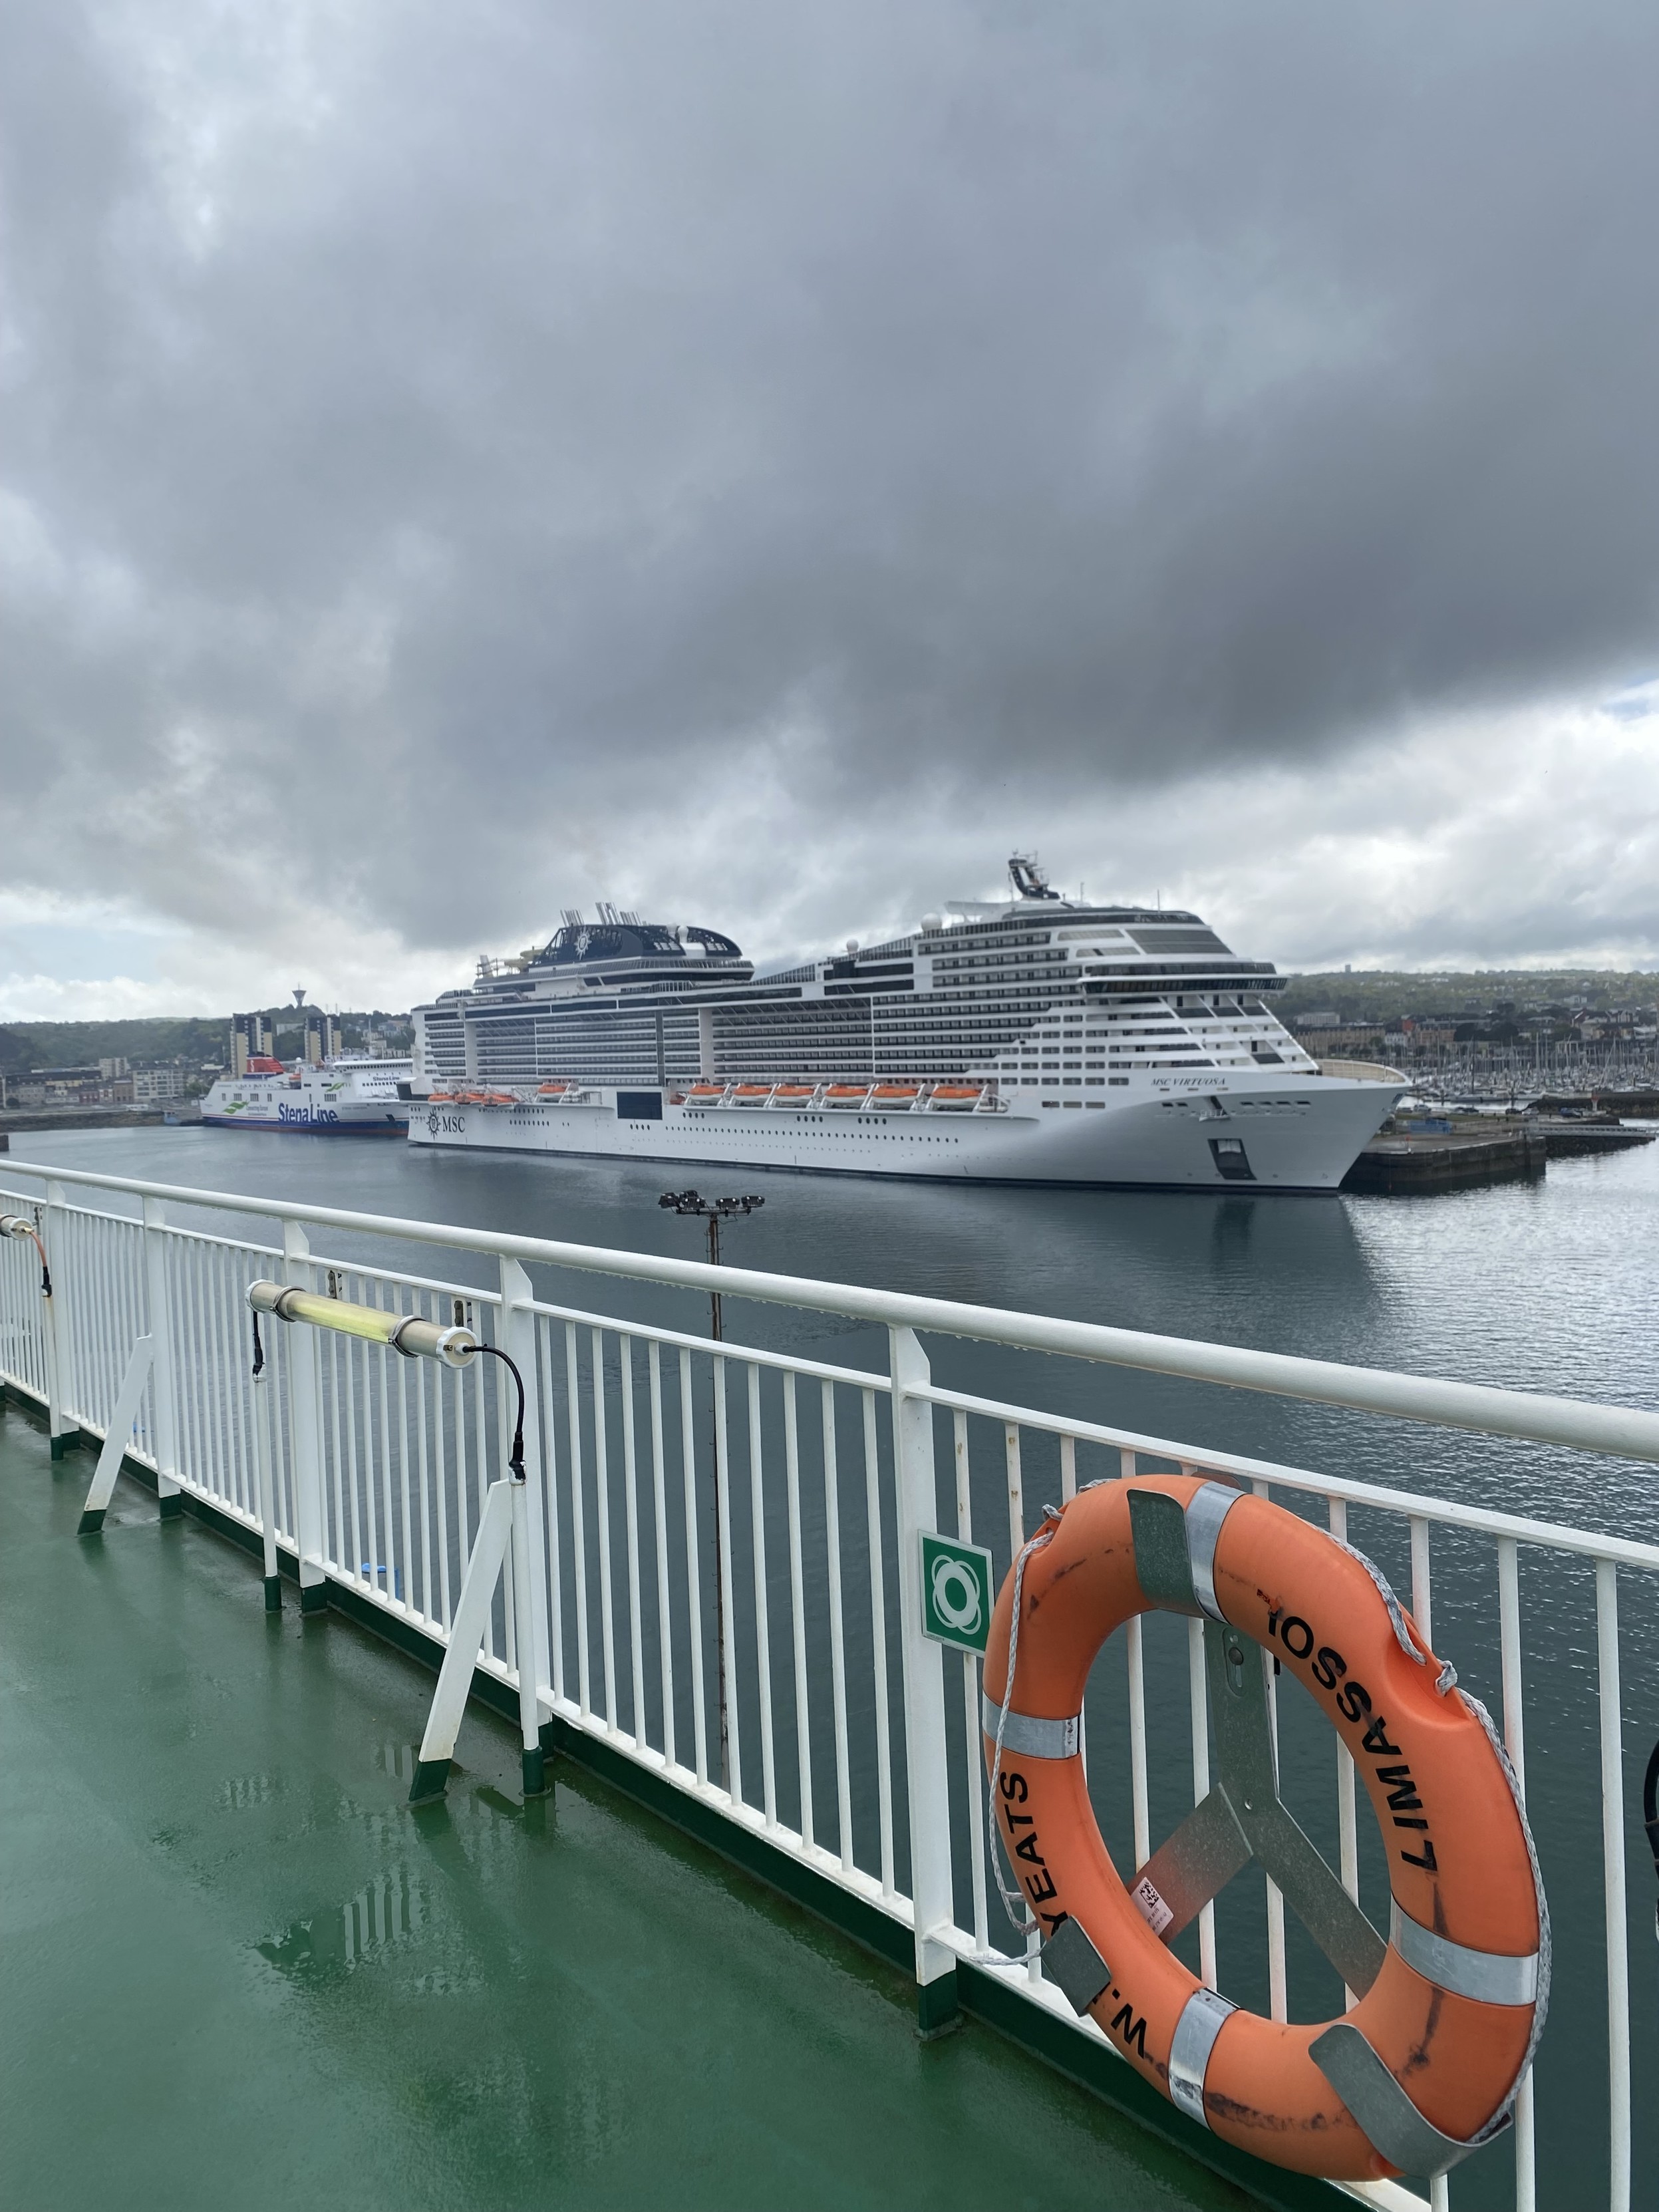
[(391, 1909)]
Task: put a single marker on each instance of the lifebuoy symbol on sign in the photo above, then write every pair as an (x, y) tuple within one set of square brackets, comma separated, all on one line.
[(957, 1595)]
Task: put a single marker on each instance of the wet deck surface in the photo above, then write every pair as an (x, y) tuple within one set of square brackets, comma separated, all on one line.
[(237, 1969)]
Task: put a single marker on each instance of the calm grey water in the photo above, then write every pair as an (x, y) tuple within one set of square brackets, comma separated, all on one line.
[(1549, 1286)]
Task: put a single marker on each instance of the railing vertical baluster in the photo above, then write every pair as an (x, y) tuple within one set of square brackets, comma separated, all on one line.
[(519, 1337), (1612, 1865), (927, 1773), (1347, 1826), (193, 1262), (879, 1639), (547, 1431), (1016, 1489), (837, 1633), (693, 1571), (226, 1397), (1422, 1605), (400, 1560), (1199, 1697), (659, 1523), (482, 1473), (445, 1387), (1134, 1654), (973, 1727), (348, 1540), (1508, 1629), (573, 1402), (763, 1610), (416, 1383), (375, 1385), (631, 1519), (1016, 1541), (726, 1639), (1423, 1613), (1067, 1469), (55, 1331), (305, 1431), (354, 1382), (798, 1606), (602, 1513), (193, 1426), (1278, 1991), (163, 1374), (93, 1304), (187, 1336)]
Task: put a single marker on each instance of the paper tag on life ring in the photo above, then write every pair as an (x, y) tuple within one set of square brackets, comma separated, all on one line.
[(1150, 1905)]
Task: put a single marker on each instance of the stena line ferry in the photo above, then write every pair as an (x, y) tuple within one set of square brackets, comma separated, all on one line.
[(1035, 1039), (340, 1097)]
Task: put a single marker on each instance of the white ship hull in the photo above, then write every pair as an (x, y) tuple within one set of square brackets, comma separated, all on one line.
[(1245, 1131), (334, 1100)]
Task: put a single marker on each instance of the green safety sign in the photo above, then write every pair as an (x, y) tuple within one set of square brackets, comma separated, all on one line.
[(957, 1594)]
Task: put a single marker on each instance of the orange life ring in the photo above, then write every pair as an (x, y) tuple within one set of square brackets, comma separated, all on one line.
[(1433, 2051)]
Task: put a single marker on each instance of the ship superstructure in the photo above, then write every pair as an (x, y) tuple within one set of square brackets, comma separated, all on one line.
[(963, 1049)]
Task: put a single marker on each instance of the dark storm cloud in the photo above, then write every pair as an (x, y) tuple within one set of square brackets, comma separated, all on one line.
[(447, 447)]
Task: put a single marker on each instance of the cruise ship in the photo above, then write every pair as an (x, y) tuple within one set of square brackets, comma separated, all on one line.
[(1034, 1039), (347, 1096)]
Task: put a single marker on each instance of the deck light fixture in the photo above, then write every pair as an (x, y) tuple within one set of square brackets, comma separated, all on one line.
[(405, 1332), (501, 1538), (21, 1227)]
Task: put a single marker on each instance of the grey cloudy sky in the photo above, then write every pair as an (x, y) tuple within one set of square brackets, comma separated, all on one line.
[(760, 464)]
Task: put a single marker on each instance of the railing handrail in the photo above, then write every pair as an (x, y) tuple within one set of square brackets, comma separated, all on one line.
[(1409, 1504), (1622, 1432)]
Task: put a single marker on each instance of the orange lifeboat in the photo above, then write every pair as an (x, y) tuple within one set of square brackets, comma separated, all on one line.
[(958, 1094), (896, 1093), (752, 1090), (847, 1094), (794, 1094), (443, 1098), (551, 1090), (500, 1098), (707, 1091)]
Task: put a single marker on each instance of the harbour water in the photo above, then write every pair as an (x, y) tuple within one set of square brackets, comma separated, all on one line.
[(1544, 1286)]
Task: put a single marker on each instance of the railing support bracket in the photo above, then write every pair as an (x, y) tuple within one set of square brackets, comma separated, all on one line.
[(117, 1438)]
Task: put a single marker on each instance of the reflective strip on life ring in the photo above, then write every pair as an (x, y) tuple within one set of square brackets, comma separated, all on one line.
[(1426, 2064), (1035, 1738), (1202, 2018)]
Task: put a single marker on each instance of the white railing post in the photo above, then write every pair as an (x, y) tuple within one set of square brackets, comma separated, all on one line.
[(305, 1422), (926, 1770), (55, 1324), (531, 1613), (159, 1308)]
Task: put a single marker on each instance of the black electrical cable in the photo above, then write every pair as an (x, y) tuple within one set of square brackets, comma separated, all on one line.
[(515, 1457), (1650, 1815), (259, 1351)]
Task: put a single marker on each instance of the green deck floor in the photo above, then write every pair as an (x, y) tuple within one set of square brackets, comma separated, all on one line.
[(237, 1971)]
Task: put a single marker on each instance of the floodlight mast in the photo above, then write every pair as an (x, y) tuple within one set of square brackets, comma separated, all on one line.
[(713, 1211)]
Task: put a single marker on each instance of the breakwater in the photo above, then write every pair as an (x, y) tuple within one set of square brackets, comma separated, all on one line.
[(1461, 1155)]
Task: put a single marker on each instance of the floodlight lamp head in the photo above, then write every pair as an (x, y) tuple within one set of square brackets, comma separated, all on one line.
[(16, 1224), (682, 1201)]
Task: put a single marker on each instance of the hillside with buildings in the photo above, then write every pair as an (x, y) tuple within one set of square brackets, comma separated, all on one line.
[(1586, 1025), (158, 1062)]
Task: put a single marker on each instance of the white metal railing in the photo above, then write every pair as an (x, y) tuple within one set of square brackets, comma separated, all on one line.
[(722, 1586)]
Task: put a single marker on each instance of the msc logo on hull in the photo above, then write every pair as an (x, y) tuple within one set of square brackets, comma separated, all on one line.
[(446, 1125)]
